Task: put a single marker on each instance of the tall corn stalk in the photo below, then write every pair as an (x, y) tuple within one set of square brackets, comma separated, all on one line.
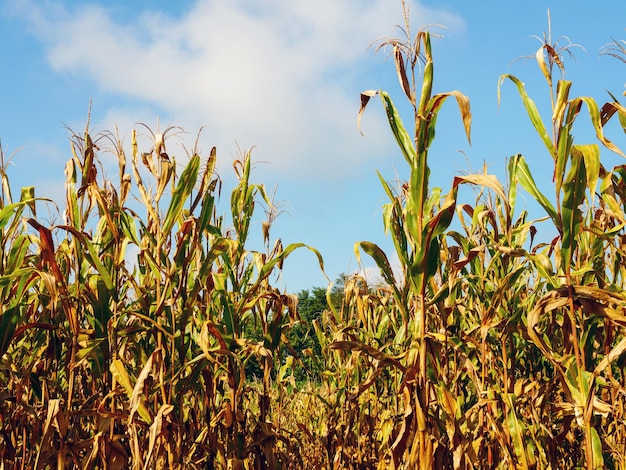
[(417, 220), (578, 288)]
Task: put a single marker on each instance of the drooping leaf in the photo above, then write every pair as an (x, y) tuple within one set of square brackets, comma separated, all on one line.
[(531, 109), (436, 102), (401, 70), (525, 178), (379, 257), (365, 98), (489, 181), (596, 121)]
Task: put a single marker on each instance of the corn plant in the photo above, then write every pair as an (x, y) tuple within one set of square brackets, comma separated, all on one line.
[(469, 314), (17, 273), (139, 330), (416, 219), (579, 290), (139, 361)]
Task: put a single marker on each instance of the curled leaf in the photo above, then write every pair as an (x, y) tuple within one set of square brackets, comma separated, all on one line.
[(402, 77), (365, 98)]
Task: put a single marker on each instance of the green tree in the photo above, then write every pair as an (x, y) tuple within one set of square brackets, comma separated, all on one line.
[(311, 305)]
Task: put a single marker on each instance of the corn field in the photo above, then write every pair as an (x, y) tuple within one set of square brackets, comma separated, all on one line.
[(129, 329)]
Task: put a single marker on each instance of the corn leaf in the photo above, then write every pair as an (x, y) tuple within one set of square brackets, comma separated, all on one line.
[(182, 191), (516, 430), (8, 322), (596, 446), (574, 194), (121, 375), (533, 112), (525, 178), (403, 139), (596, 121)]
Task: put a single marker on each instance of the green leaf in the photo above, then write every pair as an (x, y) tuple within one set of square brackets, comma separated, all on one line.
[(405, 142), (379, 257), (525, 179), (129, 228), (579, 384), (206, 212), (427, 77), (418, 193), (574, 195), (516, 431), (8, 323), (182, 191), (562, 96), (386, 187), (591, 156), (268, 267), (242, 200), (563, 152), (28, 195), (121, 375), (12, 209), (531, 109), (512, 192), (427, 255), (596, 447), (92, 255)]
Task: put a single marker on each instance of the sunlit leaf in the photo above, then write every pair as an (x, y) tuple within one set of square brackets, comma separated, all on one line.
[(526, 180), (533, 112), (183, 189)]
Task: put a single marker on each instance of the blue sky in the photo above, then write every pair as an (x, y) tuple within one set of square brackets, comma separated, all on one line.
[(285, 76)]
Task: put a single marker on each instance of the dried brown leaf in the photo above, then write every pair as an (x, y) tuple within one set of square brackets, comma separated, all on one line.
[(365, 98), (401, 70), (156, 429)]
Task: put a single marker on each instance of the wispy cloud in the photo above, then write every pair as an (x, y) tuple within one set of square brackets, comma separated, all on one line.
[(279, 74)]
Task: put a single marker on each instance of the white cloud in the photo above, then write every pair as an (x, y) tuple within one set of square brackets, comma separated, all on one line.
[(279, 74)]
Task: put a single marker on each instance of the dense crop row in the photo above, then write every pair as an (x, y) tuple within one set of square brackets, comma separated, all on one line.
[(147, 335)]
